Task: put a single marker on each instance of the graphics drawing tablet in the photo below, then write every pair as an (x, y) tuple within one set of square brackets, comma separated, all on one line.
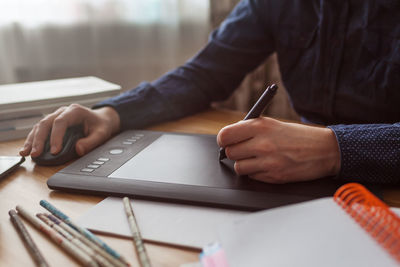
[(177, 167)]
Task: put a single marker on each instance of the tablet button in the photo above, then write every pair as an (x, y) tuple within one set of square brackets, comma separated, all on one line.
[(131, 140), (103, 159), (116, 151), (98, 162), (127, 143), (93, 166), (87, 170)]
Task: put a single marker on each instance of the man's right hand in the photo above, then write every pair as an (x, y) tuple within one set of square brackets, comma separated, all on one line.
[(98, 124)]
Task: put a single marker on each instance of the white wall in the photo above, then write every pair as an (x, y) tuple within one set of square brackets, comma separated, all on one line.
[(123, 41)]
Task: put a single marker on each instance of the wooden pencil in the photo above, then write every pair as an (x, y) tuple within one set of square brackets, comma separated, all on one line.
[(136, 236), (75, 240), (28, 241), (120, 261), (82, 257)]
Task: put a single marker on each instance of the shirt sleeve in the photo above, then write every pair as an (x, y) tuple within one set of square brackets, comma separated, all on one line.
[(369, 152), (238, 46)]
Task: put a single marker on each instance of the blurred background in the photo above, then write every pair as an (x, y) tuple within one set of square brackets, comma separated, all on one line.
[(121, 41)]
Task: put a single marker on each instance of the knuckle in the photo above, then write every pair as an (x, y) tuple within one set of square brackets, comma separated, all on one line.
[(76, 108), (60, 109), (47, 117), (266, 147), (59, 120), (261, 150), (37, 143), (257, 123), (30, 134), (27, 144), (238, 168), (43, 123), (222, 136), (263, 123), (275, 166), (277, 174), (228, 152)]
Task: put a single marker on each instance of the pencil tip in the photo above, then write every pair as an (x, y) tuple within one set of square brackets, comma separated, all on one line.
[(222, 154), (274, 87)]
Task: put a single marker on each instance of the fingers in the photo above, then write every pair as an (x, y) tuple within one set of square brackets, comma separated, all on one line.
[(99, 125), (265, 170), (42, 130), (242, 150), (278, 152), (244, 130), (249, 166), (56, 122), (39, 139), (233, 134), (26, 149), (90, 142), (72, 115), (256, 146), (36, 139)]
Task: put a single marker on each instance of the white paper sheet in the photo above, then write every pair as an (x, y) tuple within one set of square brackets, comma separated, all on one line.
[(177, 224), (314, 233)]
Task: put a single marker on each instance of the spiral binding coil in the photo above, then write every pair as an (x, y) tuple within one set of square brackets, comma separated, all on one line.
[(371, 214)]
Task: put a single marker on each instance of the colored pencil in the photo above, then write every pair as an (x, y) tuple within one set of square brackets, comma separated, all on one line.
[(59, 214), (28, 241), (91, 249), (57, 238)]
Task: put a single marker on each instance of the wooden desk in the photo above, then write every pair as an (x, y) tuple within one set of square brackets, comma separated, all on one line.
[(27, 187)]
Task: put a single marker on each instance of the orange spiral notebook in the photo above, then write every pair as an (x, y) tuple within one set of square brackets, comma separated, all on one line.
[(354, 228)]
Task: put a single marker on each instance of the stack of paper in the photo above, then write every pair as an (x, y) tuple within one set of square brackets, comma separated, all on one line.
[(23, 104)]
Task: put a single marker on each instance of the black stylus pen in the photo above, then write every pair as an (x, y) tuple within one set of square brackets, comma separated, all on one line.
[(256, 110)]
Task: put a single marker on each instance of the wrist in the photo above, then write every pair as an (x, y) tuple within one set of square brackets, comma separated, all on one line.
[(333, 162), (111, 117)]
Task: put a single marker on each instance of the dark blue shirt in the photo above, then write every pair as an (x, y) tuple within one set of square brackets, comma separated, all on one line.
[(339, 60)]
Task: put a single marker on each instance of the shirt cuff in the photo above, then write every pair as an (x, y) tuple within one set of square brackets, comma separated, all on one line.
[(369, 152), (140, 107)]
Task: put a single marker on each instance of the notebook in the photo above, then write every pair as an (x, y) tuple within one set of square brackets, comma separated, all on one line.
[(353, 228)]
